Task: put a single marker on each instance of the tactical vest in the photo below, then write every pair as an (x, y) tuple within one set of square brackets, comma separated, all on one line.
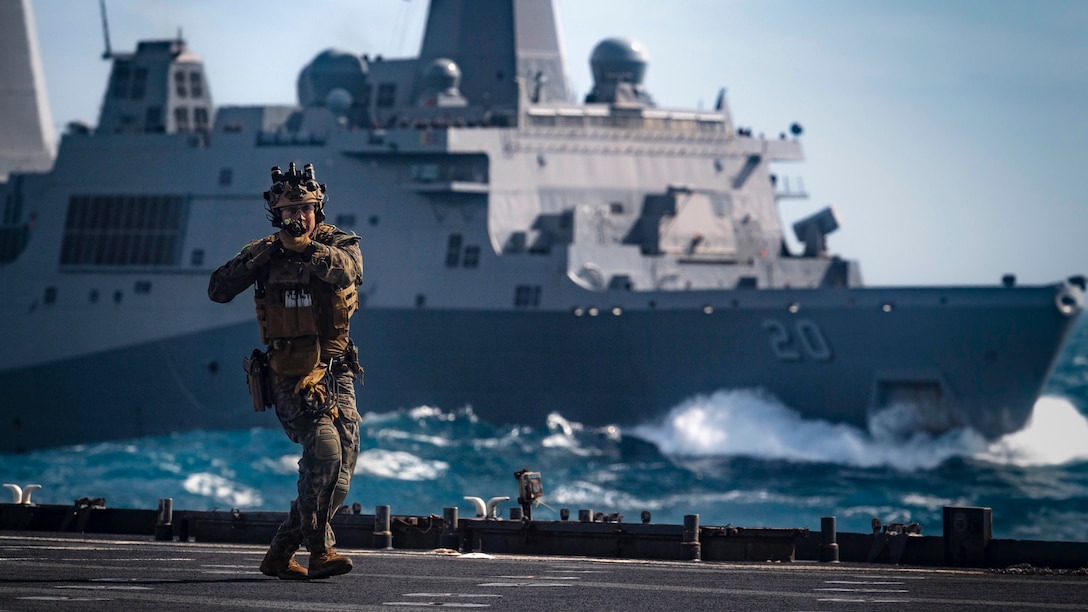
[(303, 320)]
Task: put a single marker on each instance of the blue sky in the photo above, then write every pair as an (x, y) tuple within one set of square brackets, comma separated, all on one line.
[(949, 135)]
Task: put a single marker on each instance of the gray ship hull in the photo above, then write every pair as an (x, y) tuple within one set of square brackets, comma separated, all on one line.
[(524, 253), (979, 356)]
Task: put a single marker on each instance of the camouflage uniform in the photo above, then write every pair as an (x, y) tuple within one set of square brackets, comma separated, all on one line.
[(330, 448), (316, 410)]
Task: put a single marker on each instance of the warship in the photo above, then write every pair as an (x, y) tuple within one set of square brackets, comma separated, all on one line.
[(525, 252)]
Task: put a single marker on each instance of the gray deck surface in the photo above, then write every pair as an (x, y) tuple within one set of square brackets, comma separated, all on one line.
[(79, 572)]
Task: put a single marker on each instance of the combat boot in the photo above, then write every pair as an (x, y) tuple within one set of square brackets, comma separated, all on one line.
[(282, 566), (328, 563)]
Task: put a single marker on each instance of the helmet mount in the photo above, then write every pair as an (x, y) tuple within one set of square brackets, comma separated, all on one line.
[(294, 188)]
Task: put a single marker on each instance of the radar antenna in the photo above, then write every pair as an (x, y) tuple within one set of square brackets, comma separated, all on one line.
[(107, 54)]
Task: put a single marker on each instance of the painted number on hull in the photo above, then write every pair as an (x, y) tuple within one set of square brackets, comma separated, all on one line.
[(806, 340)]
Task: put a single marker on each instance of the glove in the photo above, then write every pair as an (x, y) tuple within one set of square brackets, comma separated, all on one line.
[(296, 244), (311, 383), (311, 388), (261, 251)]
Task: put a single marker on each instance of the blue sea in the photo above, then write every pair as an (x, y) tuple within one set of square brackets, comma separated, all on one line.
[(734, 457)]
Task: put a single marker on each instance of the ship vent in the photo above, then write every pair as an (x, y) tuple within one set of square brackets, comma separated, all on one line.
[(124, 230)]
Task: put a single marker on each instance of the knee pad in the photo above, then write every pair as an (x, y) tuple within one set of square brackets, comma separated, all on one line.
[(326, 443), (340, 493)]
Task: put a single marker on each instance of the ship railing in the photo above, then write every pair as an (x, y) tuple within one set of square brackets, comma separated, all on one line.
[(267, 138), (634, 119)]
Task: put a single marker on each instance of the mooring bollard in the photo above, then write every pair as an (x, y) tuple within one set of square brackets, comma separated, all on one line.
[(585, 516), (692, 548), (450, 538), (383, 535), (829, 547), (164, 526), (516, 514)]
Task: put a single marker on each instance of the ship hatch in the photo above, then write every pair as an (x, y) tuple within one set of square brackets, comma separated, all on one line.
[(909, 406), (908, 392)]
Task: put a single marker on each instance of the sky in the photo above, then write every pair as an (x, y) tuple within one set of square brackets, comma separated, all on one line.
[(948, 135)]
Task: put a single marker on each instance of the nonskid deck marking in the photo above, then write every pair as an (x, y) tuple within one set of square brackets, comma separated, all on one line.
[(451, 595), (435, 604), (869, 582), (62, 598), (533, 577), (105, 587), (525, 583), (861, 600), (138, 580), (443, 604), (845, 590)]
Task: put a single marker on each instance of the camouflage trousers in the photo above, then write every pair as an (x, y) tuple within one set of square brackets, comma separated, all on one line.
[(330, 448)]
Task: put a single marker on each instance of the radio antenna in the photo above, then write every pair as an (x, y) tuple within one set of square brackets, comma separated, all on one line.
[(108, 53)]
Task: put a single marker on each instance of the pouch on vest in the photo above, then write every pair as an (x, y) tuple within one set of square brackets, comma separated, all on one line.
[(338, 306), (290, 357), (291, 319), (259, 379)]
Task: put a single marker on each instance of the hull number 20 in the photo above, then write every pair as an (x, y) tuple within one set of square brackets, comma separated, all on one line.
[(806, 340)]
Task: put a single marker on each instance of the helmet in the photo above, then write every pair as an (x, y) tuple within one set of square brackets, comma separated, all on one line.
[(292, 189)]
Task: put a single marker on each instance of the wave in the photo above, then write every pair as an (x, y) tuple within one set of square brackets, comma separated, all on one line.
[(1055, 435), (754, 424)]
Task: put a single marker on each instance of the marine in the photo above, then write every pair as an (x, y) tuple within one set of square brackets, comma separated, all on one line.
[(305, 278)]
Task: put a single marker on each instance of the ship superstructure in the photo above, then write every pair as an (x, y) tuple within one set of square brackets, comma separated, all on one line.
[(524, 253)]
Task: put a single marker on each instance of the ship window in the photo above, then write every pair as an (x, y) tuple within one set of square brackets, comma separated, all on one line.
[(122, 76), (181, 118), (179, 84), (387, 95), (153, 120), (200, 119), (421, 300), (345, 220), (527, 296), (197, 257), (374, 219), (139, 84), (472, 256), (196, 85), (616, 208), (117, 295), (226, 175), (142, 286), (424, 173), (453, 251), (13, 207), (124, 230), (50, 295), (93, 296)]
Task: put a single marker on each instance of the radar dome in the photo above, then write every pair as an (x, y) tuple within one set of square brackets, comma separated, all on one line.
[(619, 59), (339, 100), (331, 69), (441, 74)]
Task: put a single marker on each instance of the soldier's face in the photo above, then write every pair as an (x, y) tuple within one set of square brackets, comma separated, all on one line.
[(302, 212)]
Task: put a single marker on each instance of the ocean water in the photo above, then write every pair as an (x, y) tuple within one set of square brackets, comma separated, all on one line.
[(734, 457)]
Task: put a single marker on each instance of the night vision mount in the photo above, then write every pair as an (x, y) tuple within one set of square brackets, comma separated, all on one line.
[(294, 188)]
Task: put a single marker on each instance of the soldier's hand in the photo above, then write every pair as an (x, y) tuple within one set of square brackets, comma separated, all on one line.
[(297, 244), (260, 251)]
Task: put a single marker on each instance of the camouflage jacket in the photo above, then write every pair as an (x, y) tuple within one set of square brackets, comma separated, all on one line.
[(336, 260)]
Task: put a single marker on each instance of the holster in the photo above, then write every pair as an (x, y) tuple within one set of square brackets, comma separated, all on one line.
[(259, 379)]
